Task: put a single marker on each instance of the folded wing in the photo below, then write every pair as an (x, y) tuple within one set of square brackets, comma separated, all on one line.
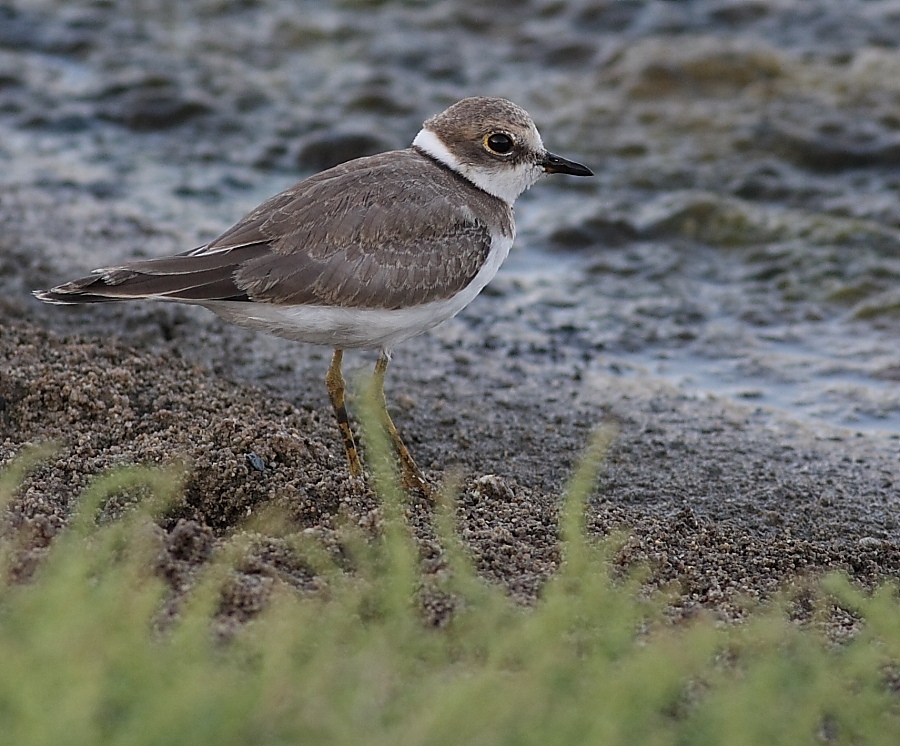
[(381, 232)]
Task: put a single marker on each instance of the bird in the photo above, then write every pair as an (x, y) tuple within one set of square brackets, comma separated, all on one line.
[(364, 255)]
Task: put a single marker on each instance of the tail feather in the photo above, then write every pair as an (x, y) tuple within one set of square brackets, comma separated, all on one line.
[(184, 277), (66, 299)]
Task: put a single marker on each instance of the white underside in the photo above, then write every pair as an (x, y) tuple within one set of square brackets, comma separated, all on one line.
[(359, 328)]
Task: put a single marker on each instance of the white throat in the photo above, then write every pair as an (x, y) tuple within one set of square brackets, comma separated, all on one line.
[(506, 181)]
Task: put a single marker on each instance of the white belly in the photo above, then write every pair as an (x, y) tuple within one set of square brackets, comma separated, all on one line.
[(352, 328)]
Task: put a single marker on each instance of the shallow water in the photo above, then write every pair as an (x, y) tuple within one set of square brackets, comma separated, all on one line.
[(741, 239), (718, 334)]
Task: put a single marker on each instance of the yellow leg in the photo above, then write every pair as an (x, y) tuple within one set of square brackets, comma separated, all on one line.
[(410, 476), (334, 382)]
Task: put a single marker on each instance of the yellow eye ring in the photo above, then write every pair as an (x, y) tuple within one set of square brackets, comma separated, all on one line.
[(499, 143)]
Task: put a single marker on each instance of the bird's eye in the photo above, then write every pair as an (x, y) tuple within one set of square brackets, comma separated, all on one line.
[(499, 143)]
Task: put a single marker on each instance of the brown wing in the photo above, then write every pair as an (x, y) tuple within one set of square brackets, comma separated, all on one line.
[(379, 232), (182, 277)]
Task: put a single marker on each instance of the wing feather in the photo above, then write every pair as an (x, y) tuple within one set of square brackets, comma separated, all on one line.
[(388, 231)]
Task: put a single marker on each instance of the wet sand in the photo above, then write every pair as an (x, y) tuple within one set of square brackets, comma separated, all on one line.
[(721, 500), (743, 227)]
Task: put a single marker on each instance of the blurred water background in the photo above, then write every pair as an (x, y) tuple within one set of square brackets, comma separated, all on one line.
[(741, 237)]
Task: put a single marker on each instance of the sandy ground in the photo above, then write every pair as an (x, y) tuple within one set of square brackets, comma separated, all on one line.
[(744, 205), (724, 502)]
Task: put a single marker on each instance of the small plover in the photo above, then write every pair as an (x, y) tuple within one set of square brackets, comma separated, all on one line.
[(364, 255)]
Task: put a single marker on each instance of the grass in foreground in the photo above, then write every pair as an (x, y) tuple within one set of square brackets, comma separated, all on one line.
[(82, 661)]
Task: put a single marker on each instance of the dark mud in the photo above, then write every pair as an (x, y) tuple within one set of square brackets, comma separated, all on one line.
[(726, 289)]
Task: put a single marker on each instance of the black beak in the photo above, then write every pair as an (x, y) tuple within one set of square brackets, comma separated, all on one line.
[(553, 164)]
